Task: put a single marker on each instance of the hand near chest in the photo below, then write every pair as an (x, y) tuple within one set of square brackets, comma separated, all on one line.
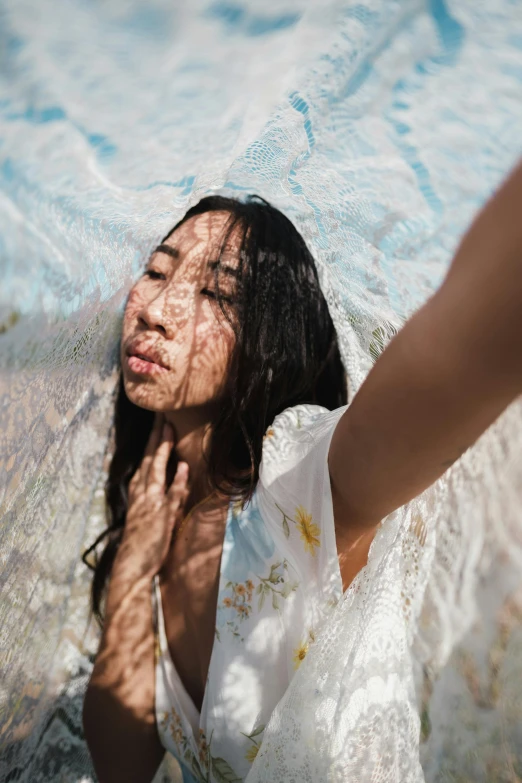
[(118, 712), (153, 512)]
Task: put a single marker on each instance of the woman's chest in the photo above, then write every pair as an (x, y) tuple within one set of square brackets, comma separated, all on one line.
[(189, 588), (263, 630), (268, 608)]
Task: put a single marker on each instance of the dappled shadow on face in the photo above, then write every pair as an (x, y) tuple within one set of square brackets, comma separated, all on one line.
[(173, 316)]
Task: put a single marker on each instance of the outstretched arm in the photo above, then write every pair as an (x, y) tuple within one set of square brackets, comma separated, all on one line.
[(443, 379)]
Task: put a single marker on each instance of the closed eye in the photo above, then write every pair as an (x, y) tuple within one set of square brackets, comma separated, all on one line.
[(212, 295), (154, 275)]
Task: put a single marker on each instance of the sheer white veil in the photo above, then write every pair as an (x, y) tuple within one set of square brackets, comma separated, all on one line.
[(379, 127)]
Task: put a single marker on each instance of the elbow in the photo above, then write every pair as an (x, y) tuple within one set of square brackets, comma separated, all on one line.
[(121, 747), (98, 738)]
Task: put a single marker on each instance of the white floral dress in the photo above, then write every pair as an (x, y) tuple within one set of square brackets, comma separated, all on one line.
[(279, 578)]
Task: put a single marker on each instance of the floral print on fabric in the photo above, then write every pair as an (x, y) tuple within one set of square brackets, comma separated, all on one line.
[(302, 649), (255, 740), (276, 584), (203, 765), (308, 530), (235, 606)]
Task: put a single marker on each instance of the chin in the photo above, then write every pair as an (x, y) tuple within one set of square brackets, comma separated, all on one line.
[(156, 395), (153, 397), (143, 394)]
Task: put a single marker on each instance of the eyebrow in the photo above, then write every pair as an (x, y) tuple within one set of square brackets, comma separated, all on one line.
[(168, 250), (228, 270)]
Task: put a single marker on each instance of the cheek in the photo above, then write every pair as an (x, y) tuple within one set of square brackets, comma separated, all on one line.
[(214, 344), (134, 304)]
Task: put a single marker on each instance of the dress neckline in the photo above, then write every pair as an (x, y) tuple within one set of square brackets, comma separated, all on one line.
[(189, 709), (192, 715)]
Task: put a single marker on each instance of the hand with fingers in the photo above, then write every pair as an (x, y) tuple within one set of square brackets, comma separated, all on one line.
[(153, 512), (119, 708)]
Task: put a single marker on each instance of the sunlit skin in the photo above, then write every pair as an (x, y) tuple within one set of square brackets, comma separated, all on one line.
[(171, 314), (170, 311), (440, 383)]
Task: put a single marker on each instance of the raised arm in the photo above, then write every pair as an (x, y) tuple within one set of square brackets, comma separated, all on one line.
[(443, 379)]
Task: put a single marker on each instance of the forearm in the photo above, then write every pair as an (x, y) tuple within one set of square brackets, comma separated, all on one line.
[(482, 292), (119, 719), (444, 379)]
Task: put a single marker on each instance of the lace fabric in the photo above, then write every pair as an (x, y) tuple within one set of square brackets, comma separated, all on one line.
[(360, 687), (379, 128)]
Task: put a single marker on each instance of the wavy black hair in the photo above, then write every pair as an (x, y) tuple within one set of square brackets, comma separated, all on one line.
[(286, 352)]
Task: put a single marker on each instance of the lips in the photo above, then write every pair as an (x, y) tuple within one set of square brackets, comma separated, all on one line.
[(147, 353)]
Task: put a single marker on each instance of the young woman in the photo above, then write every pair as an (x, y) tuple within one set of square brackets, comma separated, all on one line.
[(244, 492)]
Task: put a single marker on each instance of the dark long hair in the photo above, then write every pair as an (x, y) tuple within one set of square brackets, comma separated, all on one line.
[(285, 353)]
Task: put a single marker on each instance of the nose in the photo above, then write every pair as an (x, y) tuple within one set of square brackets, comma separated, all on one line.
[(155, 315)]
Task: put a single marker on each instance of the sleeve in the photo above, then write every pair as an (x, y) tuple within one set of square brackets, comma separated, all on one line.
[(295, 493)]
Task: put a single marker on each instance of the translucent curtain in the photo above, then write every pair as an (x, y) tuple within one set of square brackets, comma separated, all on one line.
[(379, 127)]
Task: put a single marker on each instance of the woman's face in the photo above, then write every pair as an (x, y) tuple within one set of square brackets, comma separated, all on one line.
[(172, 320)]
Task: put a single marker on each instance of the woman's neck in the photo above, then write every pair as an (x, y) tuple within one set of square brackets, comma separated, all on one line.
[(191, 435)]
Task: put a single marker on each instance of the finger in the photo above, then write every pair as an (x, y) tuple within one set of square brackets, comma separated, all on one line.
[(135, 480), (158, 469), (179, 489), (152, 445)]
